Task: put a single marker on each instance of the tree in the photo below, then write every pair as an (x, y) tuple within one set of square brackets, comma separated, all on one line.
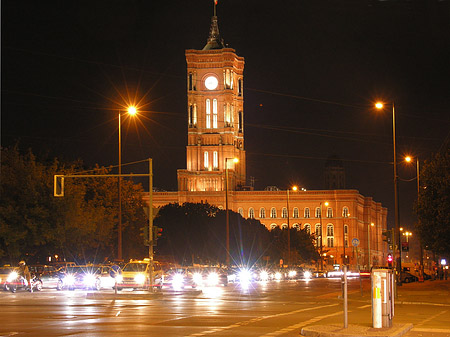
[(433, 206)]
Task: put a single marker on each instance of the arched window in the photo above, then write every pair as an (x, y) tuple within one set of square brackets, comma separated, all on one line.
[(240, 87), (194, 117), (215, 113), (307, 228), (262, 212), (330, 235), (273, 212), (205, 160), (284, 213), (241, 212), (295, 212), (329, 212), (296, 226), (284, 226), (318, 213), (346, 235), (318, 233), (307, 212), (251, 213), (215, 160), (208, 113), (273, 226), (345, 212), (190, 81)]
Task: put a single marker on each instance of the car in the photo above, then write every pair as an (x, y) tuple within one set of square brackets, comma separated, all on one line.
[(214, 276), (80, 277), (136, 275), (4, 273), (49, 275), (407, 277), (180, 278)]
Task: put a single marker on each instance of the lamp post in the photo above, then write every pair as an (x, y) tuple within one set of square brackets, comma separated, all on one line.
[(321, 238), (131, 111), (368, 243), (235, 160), (380, 106), (294, 188)]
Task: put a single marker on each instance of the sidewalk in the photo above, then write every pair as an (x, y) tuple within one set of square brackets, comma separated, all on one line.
[(410, 295)]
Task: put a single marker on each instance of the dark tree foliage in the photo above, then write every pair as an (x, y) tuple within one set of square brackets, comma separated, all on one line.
[(196, 233), (81, 226), (433, 207)]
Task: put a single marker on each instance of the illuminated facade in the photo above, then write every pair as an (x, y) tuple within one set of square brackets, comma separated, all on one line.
[(216, 133)]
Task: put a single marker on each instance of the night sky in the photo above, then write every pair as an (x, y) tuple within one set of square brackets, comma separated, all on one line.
[(313, 71)]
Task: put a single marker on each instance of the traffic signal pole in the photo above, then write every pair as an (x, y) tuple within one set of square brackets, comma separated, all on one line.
[(150, 219)]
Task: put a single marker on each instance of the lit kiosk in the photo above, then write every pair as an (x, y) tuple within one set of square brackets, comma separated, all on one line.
[(215, 117), (382, 298)]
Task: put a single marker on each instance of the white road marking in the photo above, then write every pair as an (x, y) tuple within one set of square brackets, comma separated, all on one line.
[(365, 306), (257, 319), (118, 313), (431, 318)]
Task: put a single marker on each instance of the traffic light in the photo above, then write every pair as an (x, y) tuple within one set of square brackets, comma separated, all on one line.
[(390, 260), (387, 236), (145, 235), (157, 233)]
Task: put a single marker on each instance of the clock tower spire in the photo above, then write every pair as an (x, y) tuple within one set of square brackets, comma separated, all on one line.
[(215, 109)]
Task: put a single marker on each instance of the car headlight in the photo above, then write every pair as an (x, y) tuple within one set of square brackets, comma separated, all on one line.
[(139, 278), (69, 280), (245, 276), (292, 273), (119, 278), (12, 276), (89, 279), (277, 276), (177, 280), (264, 275), (213, 279), (307, 274), (197, 278)]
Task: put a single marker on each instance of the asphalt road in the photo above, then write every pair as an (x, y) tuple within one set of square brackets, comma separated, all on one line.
[(271, 309)]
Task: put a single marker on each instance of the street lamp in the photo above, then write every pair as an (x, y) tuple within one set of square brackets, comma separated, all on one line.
[(368, 242), (235, 160), (294, 188), (132, 112), (321, 238), (409, 159), (379, 106)]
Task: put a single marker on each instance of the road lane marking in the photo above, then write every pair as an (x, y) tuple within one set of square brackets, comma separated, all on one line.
[(257, 319), (431, 330), (431, 318), (300, 325), (118, 313), (365, 306)]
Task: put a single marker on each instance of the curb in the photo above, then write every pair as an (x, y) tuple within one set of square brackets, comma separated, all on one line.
[(335, 330)]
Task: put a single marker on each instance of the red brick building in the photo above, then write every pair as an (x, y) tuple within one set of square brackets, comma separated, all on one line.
[(215, 110)]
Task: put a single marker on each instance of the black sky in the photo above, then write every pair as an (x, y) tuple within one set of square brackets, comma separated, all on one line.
[(313, 70)]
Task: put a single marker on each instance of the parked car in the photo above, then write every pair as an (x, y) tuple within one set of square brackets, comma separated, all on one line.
[(407, 277)]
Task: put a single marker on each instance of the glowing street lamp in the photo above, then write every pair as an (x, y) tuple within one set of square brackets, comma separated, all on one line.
[(131, 110), (379, 106), (294, 188), (235, 160)]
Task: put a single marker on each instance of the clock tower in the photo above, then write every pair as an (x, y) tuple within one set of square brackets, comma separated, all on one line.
[(215, 117)]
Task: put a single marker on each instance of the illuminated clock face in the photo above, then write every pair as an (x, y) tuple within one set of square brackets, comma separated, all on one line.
[(211, 82)]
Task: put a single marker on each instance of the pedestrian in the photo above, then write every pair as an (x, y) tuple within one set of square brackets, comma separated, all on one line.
[(25, 272)]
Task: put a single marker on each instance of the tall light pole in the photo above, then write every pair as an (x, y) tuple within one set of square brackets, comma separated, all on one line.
[(235, 160), (380, 106), (294, 188), (131, 111), (321, 237), (368, 243)]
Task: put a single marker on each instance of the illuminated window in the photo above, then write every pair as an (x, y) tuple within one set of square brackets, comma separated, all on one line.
[(215, 113), (295, 212), (215, 160), (330, 235), (262, 212), (329, 212), (273, 226), (318, 233), (296, 226), (307, 212), (284, 226), (241, 212), (208, 114), (318, 213), (307, 228), (345, 212), (251, 213), (273, 212), (194, 117), (205, 160), (284, 213), (228, 79)]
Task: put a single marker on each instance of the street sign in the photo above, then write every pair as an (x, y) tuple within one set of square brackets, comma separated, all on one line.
[(355, 242), (405, 246)]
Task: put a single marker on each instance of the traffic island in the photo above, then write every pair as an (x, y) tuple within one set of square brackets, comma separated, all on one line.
[(336, 330)]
